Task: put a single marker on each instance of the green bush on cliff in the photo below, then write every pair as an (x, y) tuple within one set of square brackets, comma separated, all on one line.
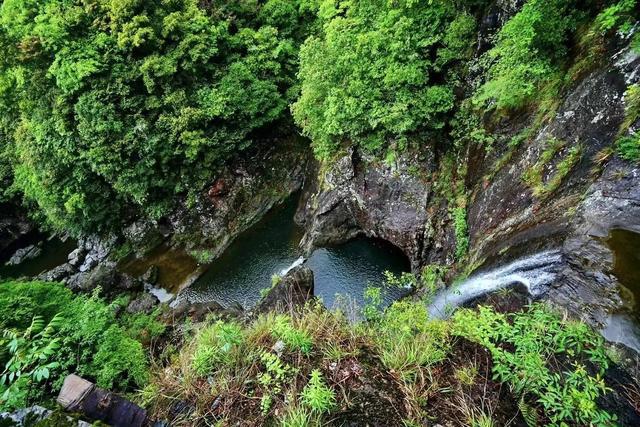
[(528, 53), (380, 71), (112, 108), (530, 348)]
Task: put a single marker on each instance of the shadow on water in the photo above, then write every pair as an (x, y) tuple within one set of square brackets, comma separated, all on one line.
[(271, 247), (54, 253), (174, 266), (625, 245), (624, 327)]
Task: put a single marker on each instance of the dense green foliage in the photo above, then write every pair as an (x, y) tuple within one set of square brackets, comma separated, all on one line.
[(552, 366), (528, 52), (89, 339), (116, 109), (526, 350), (628, 144), (111, 108), (381, 71)]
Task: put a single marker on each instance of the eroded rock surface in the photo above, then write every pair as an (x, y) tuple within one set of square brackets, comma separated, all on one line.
[(291, 292)]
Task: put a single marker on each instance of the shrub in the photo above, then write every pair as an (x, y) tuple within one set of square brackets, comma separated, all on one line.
[(120, 361), (272, 379), (536, 352), (461, 231), (380, 71), (30, 353), (628, 147), (295, 339), (407, 340), (527, 53), (92, 341), (215, 345), (317, 395)]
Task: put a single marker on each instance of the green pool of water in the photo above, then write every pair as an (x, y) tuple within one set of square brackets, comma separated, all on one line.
[(625, 245), (271, 247)]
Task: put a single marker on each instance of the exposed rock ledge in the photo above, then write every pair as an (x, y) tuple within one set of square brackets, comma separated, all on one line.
[(238, 197)]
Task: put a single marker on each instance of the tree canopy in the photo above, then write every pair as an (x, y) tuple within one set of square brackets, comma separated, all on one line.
[(381, 71), (112, 107)]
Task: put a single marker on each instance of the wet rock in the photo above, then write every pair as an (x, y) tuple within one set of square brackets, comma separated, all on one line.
[(15, 228), (220, 188), (144, 235), (293, 291), (240, 195), (197, 312), (76, 257), (361, 196), (27, 417), (57, 274), (21, 255), (497, 15), (106, 276), (144, 303), (151, 275)]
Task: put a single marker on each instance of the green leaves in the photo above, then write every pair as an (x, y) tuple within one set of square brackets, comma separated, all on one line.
[(369, 77), (30, 352), (317, 395), (113, 109), (538, 353)]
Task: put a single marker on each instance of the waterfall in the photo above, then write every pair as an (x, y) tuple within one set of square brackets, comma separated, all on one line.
[(535, 272), (295, 264)]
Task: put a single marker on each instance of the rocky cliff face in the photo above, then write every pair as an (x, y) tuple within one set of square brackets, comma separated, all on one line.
[(238, 197), (579, 196)]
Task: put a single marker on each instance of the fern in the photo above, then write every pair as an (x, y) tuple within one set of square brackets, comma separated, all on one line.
[(529, 413)]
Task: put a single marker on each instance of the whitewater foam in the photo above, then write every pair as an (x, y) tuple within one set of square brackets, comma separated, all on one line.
[(535, 272)]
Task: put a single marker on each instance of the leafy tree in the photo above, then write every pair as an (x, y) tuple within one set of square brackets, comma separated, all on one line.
[(112, 108), (380, 71)]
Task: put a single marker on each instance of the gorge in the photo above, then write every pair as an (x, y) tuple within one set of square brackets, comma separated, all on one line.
[(381, 204)]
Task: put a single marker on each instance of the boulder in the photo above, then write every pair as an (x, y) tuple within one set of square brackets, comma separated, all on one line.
[(151, 275), (24, 254), (144, 303), (292, 291), (196, 312)]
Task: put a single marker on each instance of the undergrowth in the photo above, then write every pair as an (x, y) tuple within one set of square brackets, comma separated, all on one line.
[(552, 366)]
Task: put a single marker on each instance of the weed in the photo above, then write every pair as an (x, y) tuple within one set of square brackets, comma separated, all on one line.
[(461, 231), (215, 345), (273, 379), (298, 416), (466, 374), (534, 176), (295, 339), (317, 395), (203, 256), (628, 147)]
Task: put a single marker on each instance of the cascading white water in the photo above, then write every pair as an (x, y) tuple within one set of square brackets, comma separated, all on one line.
[(535, 272), (295, 264)]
